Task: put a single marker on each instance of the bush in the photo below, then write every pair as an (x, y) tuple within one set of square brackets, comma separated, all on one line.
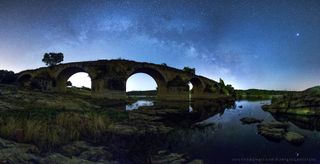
[(190, 70)]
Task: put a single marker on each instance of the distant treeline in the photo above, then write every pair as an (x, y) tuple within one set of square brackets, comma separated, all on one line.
[(260, 94), (142, 93), (7, 77)]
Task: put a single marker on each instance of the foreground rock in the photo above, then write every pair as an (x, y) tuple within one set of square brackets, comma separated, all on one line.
[(301, 103), (277, 131), (274, 130), (78, 152), (86, 151), (294, 138), (250, 120)]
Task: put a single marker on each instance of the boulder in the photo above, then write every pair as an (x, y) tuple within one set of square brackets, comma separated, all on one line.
[(294, 138), (84, 150), (274, 130), (275, 134), (196, 161), (277, 131), (168, 158), (250, 120)]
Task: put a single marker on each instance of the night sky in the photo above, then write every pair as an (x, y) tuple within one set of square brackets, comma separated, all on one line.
[(269, 44)]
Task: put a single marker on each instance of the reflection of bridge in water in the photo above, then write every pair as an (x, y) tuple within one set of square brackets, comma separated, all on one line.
[(108, 79), (179, 112)]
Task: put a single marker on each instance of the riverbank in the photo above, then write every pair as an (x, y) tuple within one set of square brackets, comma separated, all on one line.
[(41, 126), (305, 103)]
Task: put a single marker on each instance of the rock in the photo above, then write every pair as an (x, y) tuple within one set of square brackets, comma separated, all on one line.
[(86, 151), (12, 152), (240, 106), (98, 154), (168, 158), (160, 152), (294, 138), (57, 158), (203, 124), (196, 161), (274, 131), (250, 120), (277, 131), (275, 124), (74, 149), (298, 103)]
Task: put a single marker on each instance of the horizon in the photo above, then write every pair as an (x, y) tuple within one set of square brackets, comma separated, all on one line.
[(272, 45)]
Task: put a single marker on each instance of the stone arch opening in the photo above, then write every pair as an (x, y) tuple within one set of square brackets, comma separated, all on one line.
[(66, 74), (154, 75), (80, 80), (25, 80), (195, 87), (141, 85)]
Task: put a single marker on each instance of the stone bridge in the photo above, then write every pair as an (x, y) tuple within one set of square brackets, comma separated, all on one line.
[(109, 77)]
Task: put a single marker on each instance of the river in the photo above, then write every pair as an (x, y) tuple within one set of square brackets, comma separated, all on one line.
[(232, 141)]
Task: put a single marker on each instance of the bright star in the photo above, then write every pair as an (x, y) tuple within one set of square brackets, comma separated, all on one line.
[(297, 34)]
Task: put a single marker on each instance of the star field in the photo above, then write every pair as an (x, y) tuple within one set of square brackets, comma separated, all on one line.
[(272, 44)]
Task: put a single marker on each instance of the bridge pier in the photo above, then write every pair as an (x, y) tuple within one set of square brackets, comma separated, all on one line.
[(176, 93)]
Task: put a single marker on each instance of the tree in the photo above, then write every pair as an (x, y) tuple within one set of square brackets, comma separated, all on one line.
[(164, 64), (7, 77), (52, 58), (69, 83), (190, 70)]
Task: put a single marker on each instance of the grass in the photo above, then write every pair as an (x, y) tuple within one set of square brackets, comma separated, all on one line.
[(51, 132)]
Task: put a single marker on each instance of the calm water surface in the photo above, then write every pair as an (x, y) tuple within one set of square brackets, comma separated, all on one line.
[(230, 140)]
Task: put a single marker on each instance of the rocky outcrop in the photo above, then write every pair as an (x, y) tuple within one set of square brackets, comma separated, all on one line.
[(277, 131), (294, 138), (301, 103), (77, 152)]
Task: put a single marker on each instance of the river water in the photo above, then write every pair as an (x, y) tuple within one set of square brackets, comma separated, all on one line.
[(231, 141)]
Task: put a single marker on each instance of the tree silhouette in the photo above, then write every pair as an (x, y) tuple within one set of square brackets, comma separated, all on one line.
[(52, 58), (190, 70), (69, 83)]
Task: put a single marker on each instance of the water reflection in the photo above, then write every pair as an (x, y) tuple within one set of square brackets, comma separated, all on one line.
[(138, 104)]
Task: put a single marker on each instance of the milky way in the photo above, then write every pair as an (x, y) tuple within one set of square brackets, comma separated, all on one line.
[(270, 44)]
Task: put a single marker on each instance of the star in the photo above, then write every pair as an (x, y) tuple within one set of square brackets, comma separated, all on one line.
[(297, 34)]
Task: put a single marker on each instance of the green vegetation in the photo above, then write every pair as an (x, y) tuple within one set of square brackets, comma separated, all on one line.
[(52, 59), (258, 94), (164, 64), (189, 70), (79, 91), (299, 103), (53, 130), (142, 93)]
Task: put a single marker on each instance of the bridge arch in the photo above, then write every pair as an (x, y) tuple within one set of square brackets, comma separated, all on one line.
[(198, 87), (197, 84), (62, 77), (155, 74)]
